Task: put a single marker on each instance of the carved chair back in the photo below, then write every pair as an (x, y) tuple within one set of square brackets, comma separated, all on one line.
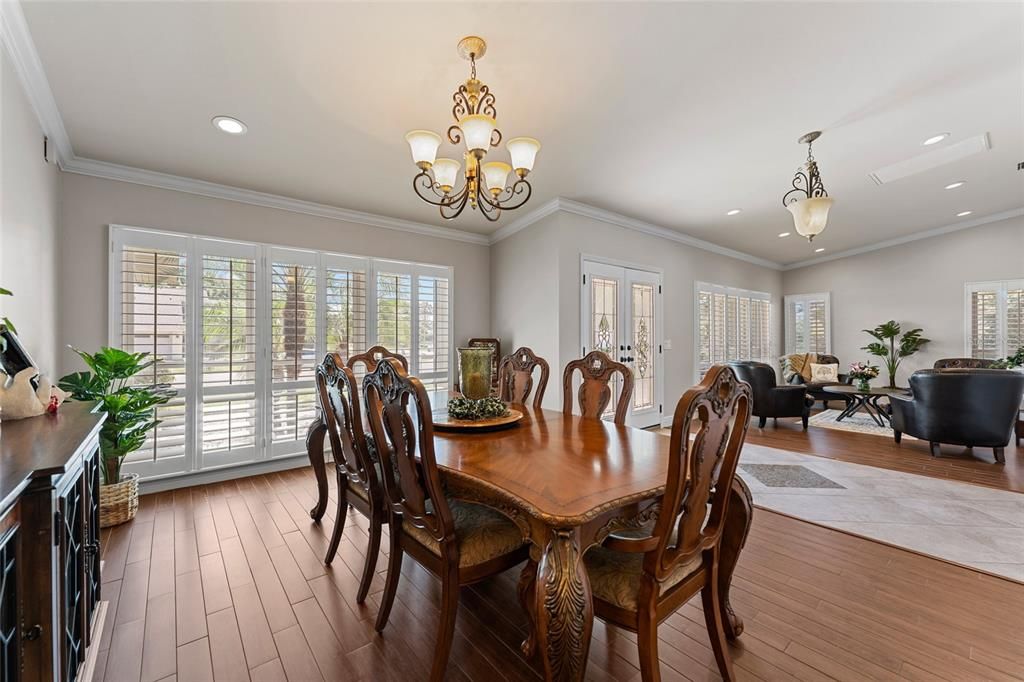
[(515, 377), (372, 357), (700, 471), (406, 446), (338, 394), (595, 392)]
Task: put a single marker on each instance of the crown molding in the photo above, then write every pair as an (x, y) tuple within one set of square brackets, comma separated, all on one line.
[(906, 239), (21, 49), (521, 223), (177, 183)]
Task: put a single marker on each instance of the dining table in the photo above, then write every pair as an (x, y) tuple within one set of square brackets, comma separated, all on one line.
[(568, 483)]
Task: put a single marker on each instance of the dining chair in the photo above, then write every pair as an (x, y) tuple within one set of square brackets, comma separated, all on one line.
[(595, 393), (458, 541), (639, 579), (372, 357), (515, 377), (359, 484)]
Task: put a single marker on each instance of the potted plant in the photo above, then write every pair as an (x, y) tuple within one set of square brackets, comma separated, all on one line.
[(862, 373), (129, 405), (1015, 361), (891, 350)]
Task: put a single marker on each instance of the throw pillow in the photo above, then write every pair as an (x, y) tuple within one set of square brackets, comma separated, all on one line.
[(824, 373), (801, 362)]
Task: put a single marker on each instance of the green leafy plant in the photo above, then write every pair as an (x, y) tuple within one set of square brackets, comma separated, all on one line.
[(6, 322), (473, 410), (1010, 361), (892, 347), (129, 403)]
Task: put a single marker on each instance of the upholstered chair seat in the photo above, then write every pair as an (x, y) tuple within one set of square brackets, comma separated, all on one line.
[(482, 533), (615, 576)]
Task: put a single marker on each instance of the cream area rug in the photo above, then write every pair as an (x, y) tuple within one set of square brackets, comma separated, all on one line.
[(970, 525), (858, 422)]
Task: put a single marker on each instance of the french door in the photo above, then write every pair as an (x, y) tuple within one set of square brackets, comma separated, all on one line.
[(621, 316)]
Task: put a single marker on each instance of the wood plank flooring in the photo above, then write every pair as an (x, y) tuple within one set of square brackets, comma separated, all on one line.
[(225, 582)]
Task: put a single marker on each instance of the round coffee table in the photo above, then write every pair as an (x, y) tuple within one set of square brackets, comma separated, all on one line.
[(867, 400)]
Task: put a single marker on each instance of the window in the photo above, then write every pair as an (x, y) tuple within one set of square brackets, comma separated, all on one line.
[(731, 324), (809, 323), (238, 329), (994, 318)]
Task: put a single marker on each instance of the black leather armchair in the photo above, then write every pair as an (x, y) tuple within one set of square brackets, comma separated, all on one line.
[(816, 389), (770, 399), (970, 407)]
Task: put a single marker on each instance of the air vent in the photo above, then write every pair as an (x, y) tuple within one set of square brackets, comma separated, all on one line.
[(934, 159)]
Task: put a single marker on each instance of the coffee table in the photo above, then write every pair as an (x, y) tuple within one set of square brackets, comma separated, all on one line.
[(867, 400)]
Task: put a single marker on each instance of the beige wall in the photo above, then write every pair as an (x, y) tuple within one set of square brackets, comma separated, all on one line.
[(919, 284), (535, 290), (91, 204), (29, 224)]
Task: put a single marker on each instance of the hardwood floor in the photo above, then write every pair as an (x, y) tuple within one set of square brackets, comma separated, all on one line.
[(956, 463), (225, 582)]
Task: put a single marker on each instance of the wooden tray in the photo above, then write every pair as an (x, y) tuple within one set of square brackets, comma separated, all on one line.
[(443, 422)]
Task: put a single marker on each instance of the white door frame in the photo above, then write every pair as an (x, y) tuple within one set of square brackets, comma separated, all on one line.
[(658, 336)]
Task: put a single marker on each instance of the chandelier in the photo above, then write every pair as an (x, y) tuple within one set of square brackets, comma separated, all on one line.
[(808, 201), (485, 185)]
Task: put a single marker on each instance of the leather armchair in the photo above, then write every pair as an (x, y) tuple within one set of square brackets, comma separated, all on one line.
[(816, 389), (770, 399), (969, 407)]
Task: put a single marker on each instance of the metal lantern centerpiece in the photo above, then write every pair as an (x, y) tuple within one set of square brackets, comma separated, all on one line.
[(485, 185), (808, 201), (475, 372)]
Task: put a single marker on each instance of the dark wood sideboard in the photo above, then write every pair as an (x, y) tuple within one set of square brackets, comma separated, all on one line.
[(49, 544)]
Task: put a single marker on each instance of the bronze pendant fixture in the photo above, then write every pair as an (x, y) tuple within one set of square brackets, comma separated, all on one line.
[(485, 185), (807, 200)]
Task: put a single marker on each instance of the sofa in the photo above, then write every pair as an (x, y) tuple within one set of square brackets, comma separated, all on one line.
[(969, 407), (770, 399), (796, 371), (962, 363)]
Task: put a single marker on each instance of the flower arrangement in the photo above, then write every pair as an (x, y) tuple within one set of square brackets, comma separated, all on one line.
[(862, 373), (474, 410)]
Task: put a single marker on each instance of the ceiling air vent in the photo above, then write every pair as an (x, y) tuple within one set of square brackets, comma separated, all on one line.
[(934, 159)]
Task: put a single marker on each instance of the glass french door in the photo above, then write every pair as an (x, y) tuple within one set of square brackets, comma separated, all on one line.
[(621, 316)]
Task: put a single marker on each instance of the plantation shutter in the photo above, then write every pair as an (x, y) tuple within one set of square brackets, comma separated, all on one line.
[(433, 319), (152, 317), (345, 305), (732, 324), (293, 348), (807, 323), (394, 312), (229, 422), (1014, 318), (995, 319)]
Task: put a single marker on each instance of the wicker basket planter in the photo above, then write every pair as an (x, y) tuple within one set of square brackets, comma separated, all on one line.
[(119, 502)]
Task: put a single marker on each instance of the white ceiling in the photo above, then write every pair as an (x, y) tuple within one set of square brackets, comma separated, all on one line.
[(670, 113)]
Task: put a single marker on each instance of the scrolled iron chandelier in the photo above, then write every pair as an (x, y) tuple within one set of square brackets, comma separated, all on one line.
[(808, 201), (485, 185)]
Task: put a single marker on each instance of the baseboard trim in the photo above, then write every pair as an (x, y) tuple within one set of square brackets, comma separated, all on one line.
[(158, 485)]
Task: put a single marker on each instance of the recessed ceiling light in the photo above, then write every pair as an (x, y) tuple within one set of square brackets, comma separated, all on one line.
[(819, 249), (783, 234), (734, 211), (229, 125), (958, 183), (935, 139), (961, 214)]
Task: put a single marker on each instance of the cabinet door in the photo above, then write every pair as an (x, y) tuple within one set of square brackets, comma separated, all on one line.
[(10, 659), (92, 557), (70, 529)]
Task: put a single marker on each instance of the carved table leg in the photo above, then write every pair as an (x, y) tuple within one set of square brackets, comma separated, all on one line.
[(734, 536), (315, 449), (527, 580), (565, 613)]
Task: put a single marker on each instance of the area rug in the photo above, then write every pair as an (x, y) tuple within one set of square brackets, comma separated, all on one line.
[(970, 525), (858, 422)]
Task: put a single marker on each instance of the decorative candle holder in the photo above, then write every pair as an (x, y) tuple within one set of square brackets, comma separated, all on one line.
[(475, 372)]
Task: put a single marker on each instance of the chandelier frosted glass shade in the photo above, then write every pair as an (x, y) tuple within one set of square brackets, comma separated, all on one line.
[(445, 172), (495, 175), (486, 185), (810, 216), (523, 151), (423, 144)]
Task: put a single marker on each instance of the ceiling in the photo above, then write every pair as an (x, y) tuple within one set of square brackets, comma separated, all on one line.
[(669, 113)]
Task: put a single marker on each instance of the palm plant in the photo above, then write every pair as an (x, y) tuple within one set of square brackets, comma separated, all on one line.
[(892, 351), (129, 404)]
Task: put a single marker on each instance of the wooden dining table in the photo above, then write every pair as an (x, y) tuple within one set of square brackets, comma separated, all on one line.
[(568, 483)]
